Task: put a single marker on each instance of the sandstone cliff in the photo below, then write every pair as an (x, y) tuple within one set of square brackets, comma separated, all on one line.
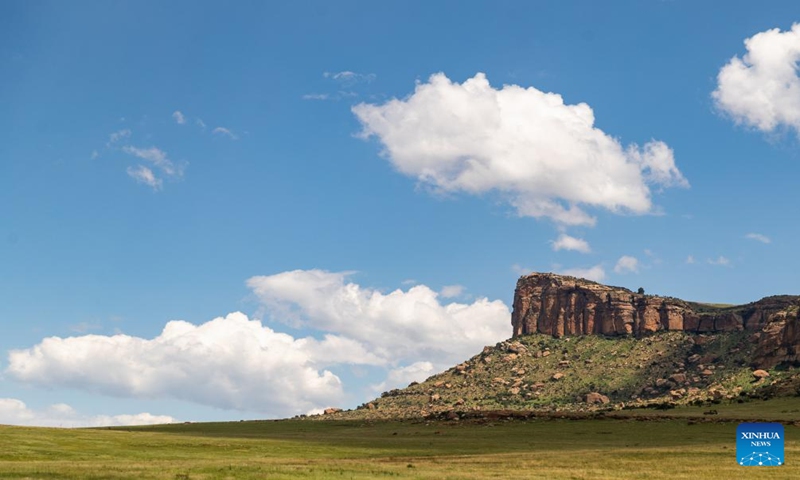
[(561, 305)]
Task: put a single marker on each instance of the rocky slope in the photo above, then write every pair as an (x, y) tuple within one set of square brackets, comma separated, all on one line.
[(589, 373), (561, 305), (579, 346)]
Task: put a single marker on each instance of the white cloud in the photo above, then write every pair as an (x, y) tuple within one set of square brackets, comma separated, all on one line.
[(340, 95), (347, 78), (762, 89), (154, 155), (15, 412), (237, 363), (347, 83), (595, 273), (142, 174), (758, 237), (200, 123), (178, 117), (720, 261), (627, 264), (157, 157), (224, 131), (400, 326), (84, 327), (565, 242), (543, 156), (316, 96), (95, 154), (117, 136), (520, 269), (690, 259), (451, 291), (401, 377), (229, 362)]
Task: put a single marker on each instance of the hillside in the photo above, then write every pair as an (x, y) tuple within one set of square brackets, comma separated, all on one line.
[(648, 359)]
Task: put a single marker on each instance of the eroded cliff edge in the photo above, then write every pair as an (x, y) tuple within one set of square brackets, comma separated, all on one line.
[(561, 305)]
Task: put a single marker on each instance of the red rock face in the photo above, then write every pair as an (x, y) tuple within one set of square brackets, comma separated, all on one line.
[(560, 305)]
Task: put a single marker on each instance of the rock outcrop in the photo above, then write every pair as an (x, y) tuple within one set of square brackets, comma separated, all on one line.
[(561, 305)]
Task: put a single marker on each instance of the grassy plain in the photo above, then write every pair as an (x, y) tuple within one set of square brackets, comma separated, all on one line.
[(542, 448)]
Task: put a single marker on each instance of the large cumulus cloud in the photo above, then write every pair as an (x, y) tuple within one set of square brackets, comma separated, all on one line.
[(399, 326), (228, 362), (544, 156), (235, 362), (762, 89)]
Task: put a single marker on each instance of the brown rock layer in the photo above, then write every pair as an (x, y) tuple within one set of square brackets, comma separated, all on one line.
[(561, 305)]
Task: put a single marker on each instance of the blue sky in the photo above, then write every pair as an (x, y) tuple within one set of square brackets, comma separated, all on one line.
[(364, 183)]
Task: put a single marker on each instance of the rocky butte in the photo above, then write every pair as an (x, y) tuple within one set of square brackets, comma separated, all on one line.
[(561, 305)]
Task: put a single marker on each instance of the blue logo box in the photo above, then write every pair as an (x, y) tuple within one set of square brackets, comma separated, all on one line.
[(759, 444)]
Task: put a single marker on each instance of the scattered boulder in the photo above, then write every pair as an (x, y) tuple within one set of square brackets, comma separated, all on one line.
[(595, 398), (677, 394), (557, 376), (759, 374), (710, 358), (678, 378), (331, 410)]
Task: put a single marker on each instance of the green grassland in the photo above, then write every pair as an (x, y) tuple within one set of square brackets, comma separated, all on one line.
[(540, 448), (643, 432)]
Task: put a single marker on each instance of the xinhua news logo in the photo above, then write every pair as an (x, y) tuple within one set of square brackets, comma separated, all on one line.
[(759, 444)]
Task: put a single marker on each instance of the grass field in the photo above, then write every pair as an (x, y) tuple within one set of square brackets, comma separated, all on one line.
[(781, 409), (547, 449)]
